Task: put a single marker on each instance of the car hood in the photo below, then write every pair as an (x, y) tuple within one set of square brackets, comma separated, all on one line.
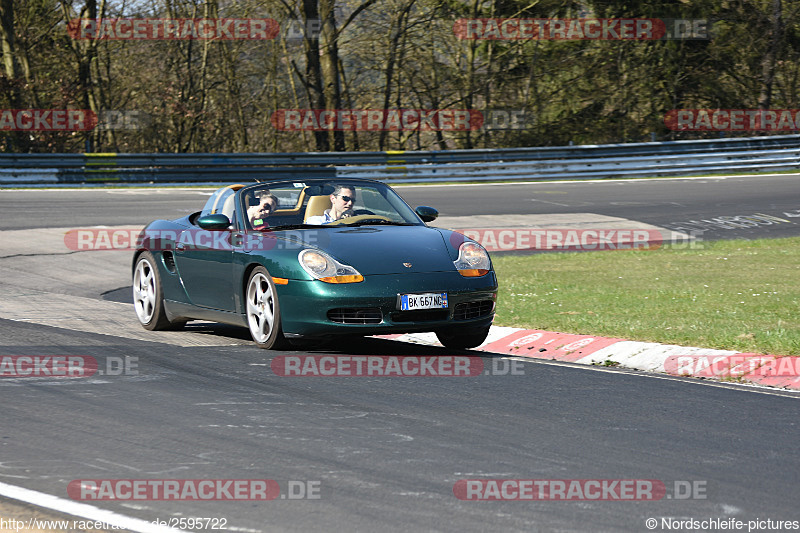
[(385, 249)]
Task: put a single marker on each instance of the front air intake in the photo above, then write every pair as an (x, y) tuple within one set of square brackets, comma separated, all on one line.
[(367, 315), (476, 309)]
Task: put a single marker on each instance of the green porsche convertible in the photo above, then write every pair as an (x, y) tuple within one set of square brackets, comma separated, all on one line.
[(306, 260)]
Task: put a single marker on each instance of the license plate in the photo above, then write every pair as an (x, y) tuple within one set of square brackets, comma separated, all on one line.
[(430, 300)]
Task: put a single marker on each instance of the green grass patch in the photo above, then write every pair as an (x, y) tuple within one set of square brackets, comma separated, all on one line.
[(739, 295)]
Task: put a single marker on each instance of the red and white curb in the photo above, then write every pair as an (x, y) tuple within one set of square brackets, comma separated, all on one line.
[(723, 365)]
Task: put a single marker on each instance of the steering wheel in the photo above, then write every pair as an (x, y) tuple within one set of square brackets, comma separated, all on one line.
[(357, 218)]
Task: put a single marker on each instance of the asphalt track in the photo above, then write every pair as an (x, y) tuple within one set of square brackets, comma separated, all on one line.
[(714, 207), (385, 452)]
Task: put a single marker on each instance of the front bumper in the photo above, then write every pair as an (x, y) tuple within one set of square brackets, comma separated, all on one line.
[(315, 308)]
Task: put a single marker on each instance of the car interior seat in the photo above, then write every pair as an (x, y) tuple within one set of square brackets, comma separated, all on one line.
[(317, 206)]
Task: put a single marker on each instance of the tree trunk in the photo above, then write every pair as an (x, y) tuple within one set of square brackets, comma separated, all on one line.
[(316, 97), (330, 66), (399, 26), (86, 53), (770, 58), (8, 42), (7, 36)]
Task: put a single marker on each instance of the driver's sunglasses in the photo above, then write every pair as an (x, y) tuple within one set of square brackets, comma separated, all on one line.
[(347, 198)]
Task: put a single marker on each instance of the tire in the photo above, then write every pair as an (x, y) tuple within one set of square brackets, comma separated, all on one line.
[(148, 295), (463, 337), (263, 311)]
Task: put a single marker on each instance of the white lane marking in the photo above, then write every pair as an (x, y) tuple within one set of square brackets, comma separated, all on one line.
[(82, 510), (548, 202)]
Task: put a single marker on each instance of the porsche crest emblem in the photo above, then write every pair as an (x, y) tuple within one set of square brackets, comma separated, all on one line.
[(407, 265)]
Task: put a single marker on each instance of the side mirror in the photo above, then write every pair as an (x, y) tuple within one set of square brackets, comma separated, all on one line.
[(214, 222), (427, 214)]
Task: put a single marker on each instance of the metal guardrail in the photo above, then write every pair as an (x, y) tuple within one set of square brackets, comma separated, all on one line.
[(670, 158), (670, 165)]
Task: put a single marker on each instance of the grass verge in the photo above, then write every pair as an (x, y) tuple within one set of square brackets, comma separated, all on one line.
[(739, 295)]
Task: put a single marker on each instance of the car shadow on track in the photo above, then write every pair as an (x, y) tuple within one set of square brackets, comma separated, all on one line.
[(355, 345), (346, 345), (122, 295)]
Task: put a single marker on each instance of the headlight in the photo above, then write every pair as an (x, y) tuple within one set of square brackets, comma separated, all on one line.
[(473, 260), (323, 267)]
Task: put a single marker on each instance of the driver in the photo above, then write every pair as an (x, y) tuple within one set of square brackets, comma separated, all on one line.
[(267, 204), (342, 201)]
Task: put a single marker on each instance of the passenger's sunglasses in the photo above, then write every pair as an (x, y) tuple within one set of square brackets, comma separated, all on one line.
[(347, 198)]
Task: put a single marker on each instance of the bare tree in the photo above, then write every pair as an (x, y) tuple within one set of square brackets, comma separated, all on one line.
[(776, 40)]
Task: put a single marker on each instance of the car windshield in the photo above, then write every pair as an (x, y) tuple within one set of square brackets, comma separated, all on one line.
[(324, 203), (217, 200)]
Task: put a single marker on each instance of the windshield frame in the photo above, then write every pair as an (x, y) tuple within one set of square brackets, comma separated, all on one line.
[(407, 215)]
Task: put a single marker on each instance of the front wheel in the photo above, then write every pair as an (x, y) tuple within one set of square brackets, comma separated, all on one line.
[(263, 311), (148, 295), (462, 337)]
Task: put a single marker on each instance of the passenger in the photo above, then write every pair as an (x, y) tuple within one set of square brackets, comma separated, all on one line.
[(342, 201), (257, 214)]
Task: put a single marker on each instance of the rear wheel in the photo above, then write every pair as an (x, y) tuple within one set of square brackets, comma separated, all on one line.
[(263, 311), (462, 337), (148, 295)]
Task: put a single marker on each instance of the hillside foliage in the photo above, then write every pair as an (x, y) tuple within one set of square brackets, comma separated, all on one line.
[(195, 95)]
